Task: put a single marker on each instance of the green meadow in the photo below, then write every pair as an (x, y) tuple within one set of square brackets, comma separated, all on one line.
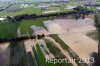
[(42, 57), (30, 9), (8, 30), (25, 25)]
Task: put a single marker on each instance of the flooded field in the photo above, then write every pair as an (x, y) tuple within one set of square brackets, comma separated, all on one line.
[(4, 54)]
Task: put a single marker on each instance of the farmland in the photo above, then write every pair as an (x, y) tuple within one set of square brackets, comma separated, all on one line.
[(8, 30), (42, 58), (17, 52), (25, 25), (34, 34), (18, 9)]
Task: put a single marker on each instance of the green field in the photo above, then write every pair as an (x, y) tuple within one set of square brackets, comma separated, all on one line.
[(17, 52), (25, 25), (53, 8), (42, 57), (18, 10), (56, 51), (94, 9), (61, 43), (8, 30), (28, 10)]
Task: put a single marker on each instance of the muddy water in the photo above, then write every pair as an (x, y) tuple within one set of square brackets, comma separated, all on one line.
[(4, 54), (59, 26)]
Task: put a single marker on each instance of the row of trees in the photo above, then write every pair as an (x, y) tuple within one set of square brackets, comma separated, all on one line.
[(34, 16), (78, 10), (22, 38)]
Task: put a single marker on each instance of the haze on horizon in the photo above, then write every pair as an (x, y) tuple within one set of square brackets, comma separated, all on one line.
[(30, 0)]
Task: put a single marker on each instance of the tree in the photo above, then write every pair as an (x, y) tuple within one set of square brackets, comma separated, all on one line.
[(43, 35), (83, 16), (77, 16), (10, 19)]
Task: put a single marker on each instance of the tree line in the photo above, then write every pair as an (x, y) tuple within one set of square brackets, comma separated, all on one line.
[(77, 11), (21, 38), (63, 14)]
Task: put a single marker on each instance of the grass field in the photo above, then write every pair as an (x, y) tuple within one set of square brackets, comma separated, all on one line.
[(56, 51), (18, 53), (42, 57), (94, 9), (8, 30), (25, 25), (18, 10), (53, 8), (57, 39), (28, 10)]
